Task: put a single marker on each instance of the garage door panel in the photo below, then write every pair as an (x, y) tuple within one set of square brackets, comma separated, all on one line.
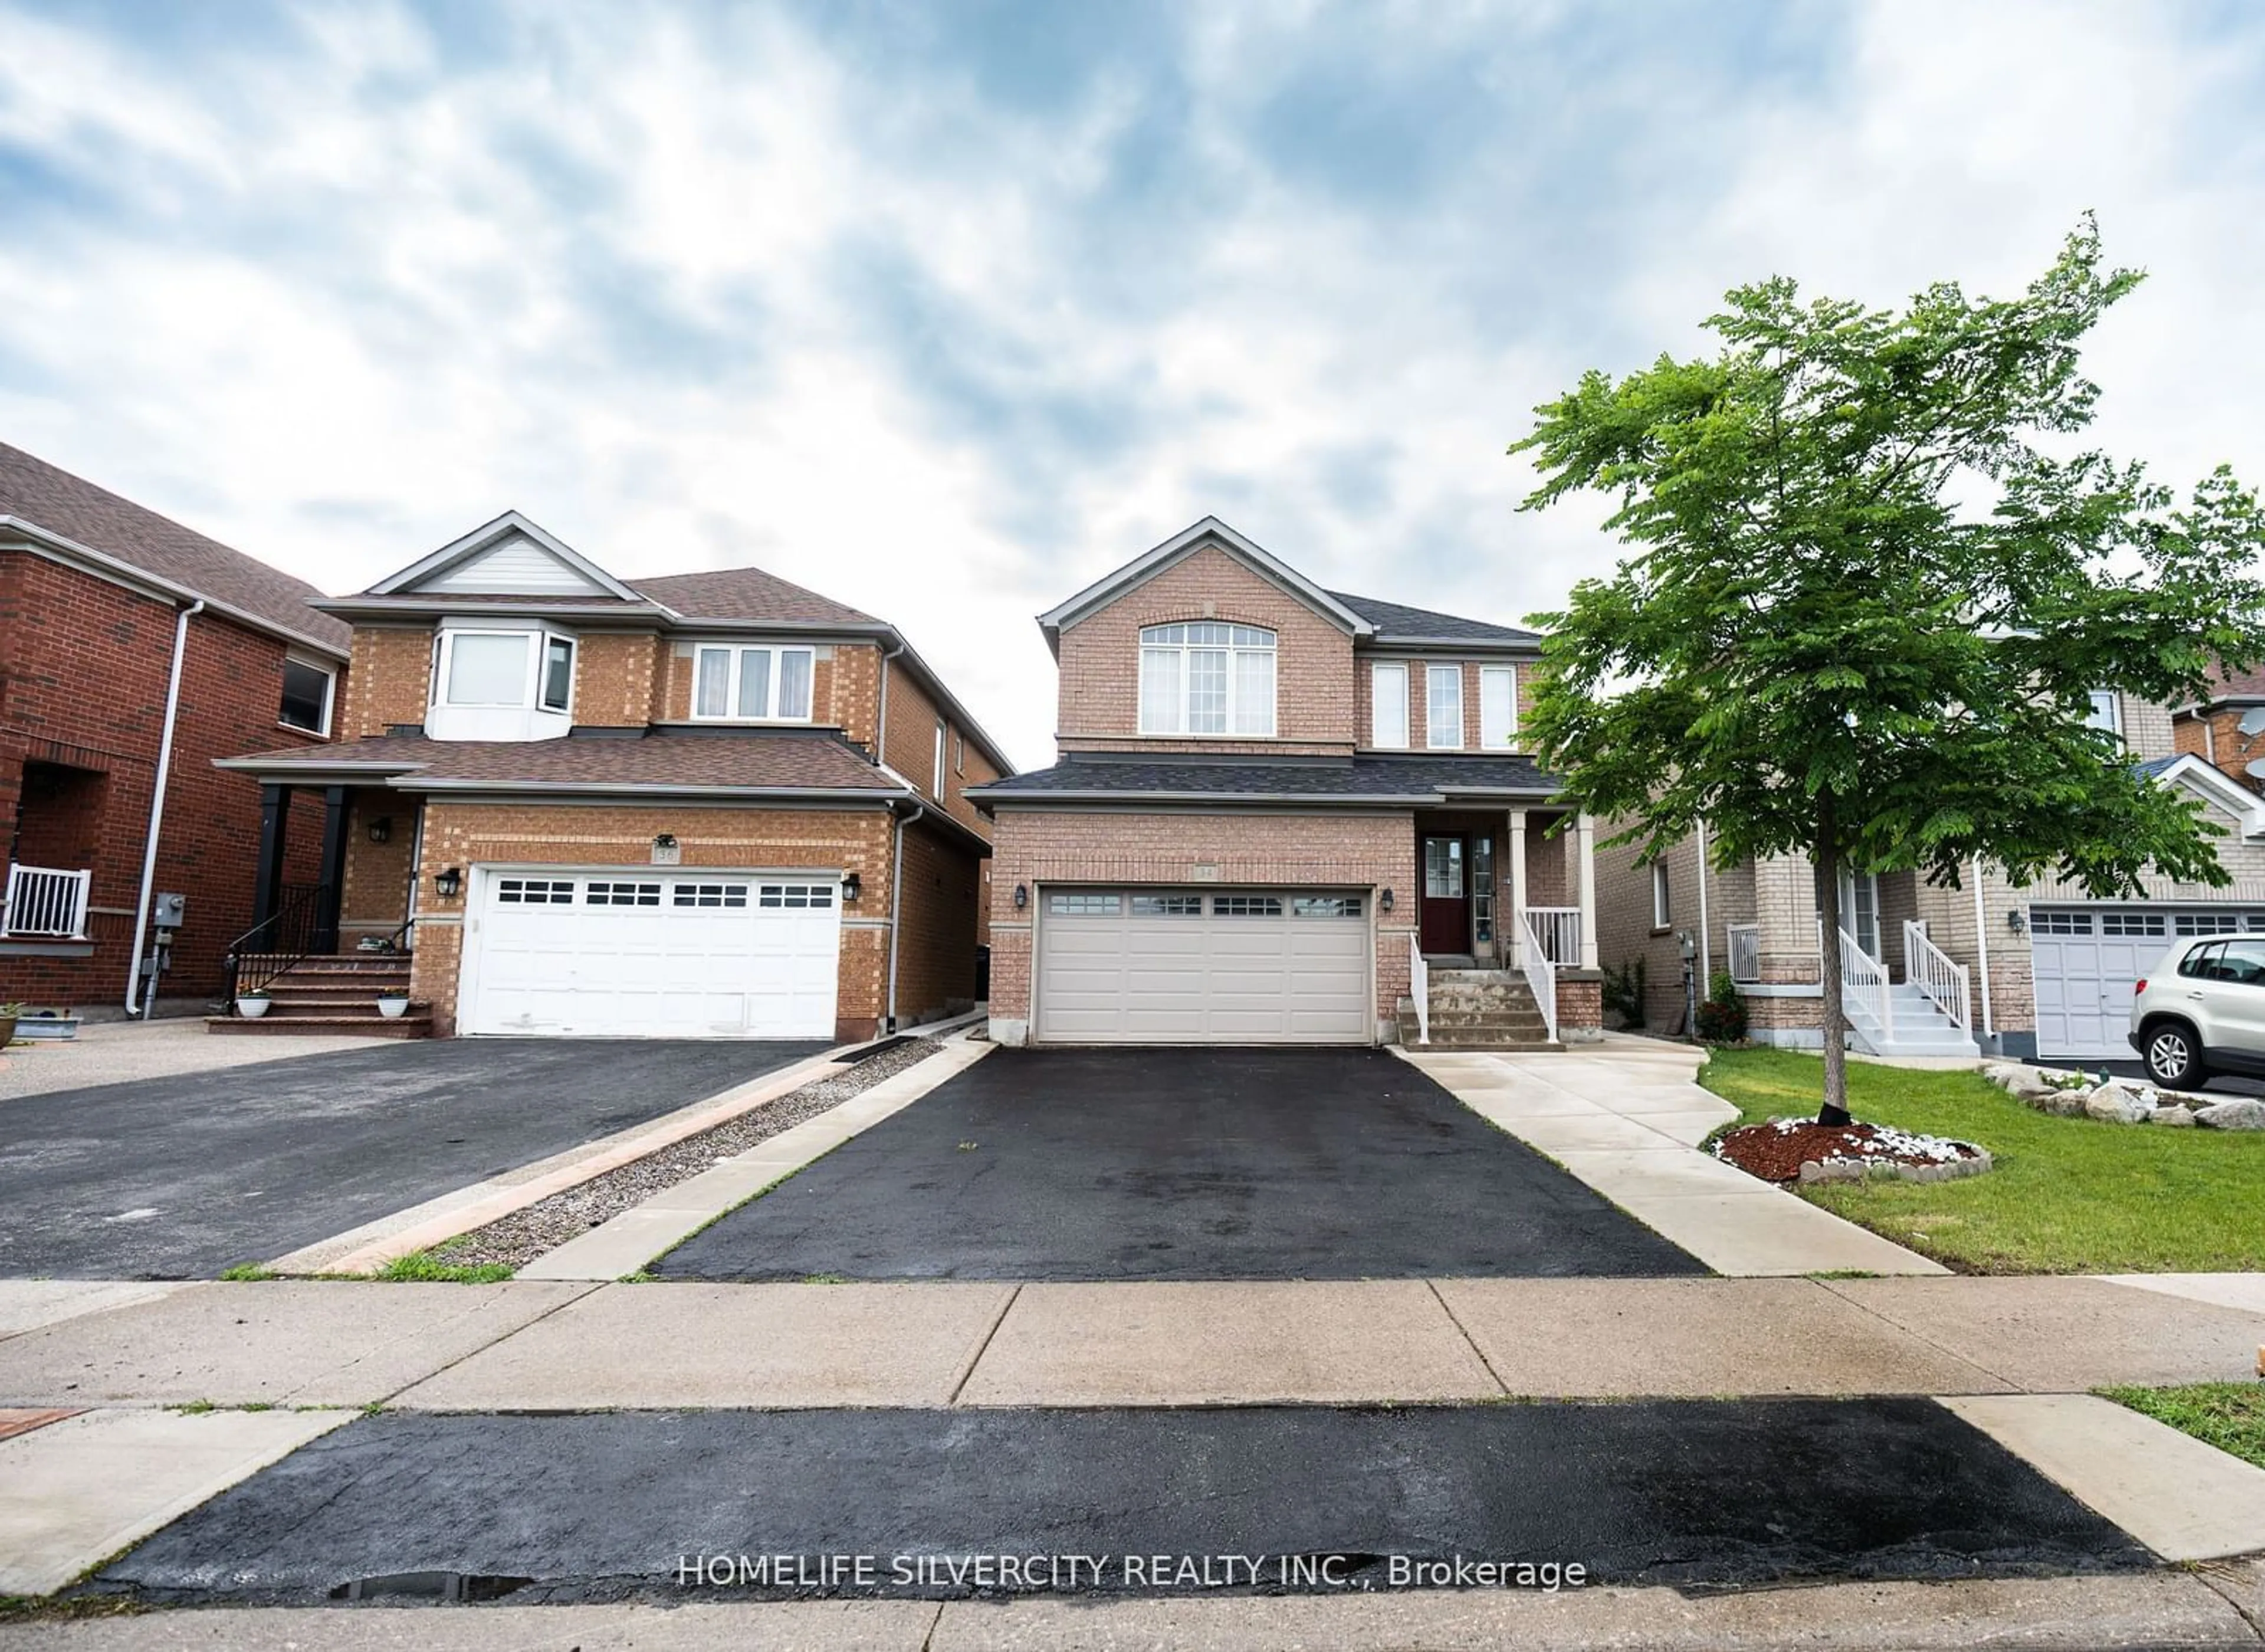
[(2085, 965), (1106, 973), (721, 956)]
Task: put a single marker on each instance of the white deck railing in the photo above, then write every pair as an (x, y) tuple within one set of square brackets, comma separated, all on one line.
[(1745, 952), (1540, 971), (44, 902), (1928, 967), (1864, 985), (1419, 989), (1559, 931)]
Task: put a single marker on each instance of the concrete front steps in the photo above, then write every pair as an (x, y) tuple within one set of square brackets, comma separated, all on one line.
[(333, 995), (1920, 1028), (1479, 1009)]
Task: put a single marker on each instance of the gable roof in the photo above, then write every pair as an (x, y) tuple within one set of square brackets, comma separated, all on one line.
[(74, 516), (569, 573), (2211, 784), (1396, 622), (1209, 532)]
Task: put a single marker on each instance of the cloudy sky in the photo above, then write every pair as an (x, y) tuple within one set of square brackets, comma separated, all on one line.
[(945, 308)]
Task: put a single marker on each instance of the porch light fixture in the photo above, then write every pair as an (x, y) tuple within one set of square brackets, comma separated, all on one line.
[(448, 883), (851, 886), (1021, 896), (665, 840), (1383, 901), (381, 829), (2017, 920)]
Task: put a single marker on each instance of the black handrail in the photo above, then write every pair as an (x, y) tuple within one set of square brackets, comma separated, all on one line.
[(295, 930)]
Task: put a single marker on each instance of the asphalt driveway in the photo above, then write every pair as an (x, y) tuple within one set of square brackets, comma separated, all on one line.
[(1179, 1164), (181, 1177)]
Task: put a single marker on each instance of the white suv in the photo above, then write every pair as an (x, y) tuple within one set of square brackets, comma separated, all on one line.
[(2201, 1011)]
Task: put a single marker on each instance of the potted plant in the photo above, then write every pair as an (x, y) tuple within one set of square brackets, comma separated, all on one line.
[(392, 1004), (251, 1004), (8, 1015)]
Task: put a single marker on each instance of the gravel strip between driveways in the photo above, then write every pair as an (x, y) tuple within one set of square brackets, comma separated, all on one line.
[(521, 1237)]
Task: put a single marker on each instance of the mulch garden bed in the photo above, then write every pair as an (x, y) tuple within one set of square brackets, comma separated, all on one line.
[(1778, 1151)]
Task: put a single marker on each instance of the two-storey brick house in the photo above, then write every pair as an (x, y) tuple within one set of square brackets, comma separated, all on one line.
[(132, 652), (709, 804), (1276, 810)]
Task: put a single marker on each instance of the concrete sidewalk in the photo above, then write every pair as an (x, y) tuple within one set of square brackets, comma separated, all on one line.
[(1626, 1117)]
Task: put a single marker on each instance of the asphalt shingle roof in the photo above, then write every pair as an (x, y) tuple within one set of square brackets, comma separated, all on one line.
[(1397, 620), (746, 594), (1351, 780), (743, 762), (94, 517)]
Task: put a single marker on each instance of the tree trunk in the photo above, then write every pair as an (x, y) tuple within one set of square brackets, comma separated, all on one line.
[(1835, 1019)]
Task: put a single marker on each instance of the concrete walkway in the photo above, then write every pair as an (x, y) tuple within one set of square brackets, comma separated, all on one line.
[(1626, 1117)]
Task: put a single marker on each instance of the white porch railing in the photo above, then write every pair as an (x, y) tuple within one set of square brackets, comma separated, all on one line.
[(1745, 952), (44, 902), (1558, 932), (1864, 986), (1928, 967), (1540, 970), (1419, 989)]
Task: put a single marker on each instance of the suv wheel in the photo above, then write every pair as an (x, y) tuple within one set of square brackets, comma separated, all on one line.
[(2175, 1057)]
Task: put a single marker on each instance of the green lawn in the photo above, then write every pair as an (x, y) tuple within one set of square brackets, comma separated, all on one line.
[(2230, 1416), (2067, 1195)]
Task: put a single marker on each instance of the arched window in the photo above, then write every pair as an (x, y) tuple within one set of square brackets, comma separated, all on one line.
[(1207, 676)]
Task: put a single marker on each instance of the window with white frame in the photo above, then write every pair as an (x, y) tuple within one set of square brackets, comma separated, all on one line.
[(936, 784), (1443, 707), (486, 668), (1207, 676), (1387, 705), (1663, 908), (557, 688), (1497, 706), (2106, 712), (742, 682), (307, 690)]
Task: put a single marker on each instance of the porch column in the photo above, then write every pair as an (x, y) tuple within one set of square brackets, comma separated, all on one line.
[(267, 878), (1516, 888), (335, 814), (1586, 871)]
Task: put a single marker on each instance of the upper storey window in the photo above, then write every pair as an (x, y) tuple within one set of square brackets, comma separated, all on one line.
[(1207, 676), (497, 668), (742, 684), (306, 696)]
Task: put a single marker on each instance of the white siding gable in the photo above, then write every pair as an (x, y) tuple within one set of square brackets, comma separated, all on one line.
[(515, 566)]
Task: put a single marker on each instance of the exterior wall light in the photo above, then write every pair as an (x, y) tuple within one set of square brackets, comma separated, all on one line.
[(2017, 920), (1021, 896), (851, 886), (1383, 901), (381, 829), (448, 883)]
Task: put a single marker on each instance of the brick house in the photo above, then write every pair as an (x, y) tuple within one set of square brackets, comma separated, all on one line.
[(2041, 971), (2227, 729), (705, 805), (1279, 814), (135, 652)]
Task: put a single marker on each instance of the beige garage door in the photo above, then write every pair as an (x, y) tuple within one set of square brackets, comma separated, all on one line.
[(1181, 966)]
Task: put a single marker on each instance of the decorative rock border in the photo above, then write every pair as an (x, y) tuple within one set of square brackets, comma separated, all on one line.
[(1888, 1170), (2068, 1094)]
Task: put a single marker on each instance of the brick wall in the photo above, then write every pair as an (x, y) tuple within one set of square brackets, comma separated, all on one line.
[(858, 840), (2217, 737), (374, 896), (936, 956), (616, 678), (1034, 847), (390, 681), (1100, 661), (913, 718), (83, 666)]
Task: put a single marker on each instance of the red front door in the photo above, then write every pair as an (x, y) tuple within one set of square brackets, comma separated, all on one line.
[(1443, 916)]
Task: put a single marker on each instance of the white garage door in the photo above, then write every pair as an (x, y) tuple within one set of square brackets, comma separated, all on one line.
[(1162, 966), (2087, 964), (652, 955)]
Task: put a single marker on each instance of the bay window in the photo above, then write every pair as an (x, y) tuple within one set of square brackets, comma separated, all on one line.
[(485, 668), (1207, 676), (745, 683)]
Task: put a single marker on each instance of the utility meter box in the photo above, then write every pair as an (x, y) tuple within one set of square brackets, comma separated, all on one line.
[(167, 912)]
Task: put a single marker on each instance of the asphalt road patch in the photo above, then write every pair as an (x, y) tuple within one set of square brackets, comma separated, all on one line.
[(1695, 1494), (1180, 1164)]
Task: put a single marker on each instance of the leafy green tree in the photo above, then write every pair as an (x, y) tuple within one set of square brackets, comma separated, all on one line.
[(1873, 581)]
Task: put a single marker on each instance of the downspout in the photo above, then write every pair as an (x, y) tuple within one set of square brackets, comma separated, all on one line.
[(1706, 944), (158, 804), (881, 719), (897, 905), (1982, 951)]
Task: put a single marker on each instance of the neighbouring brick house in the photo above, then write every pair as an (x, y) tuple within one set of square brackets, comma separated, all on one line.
[(1270, 800), (100, 601), (705, 805), (2227, 729), (2043, 970)]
